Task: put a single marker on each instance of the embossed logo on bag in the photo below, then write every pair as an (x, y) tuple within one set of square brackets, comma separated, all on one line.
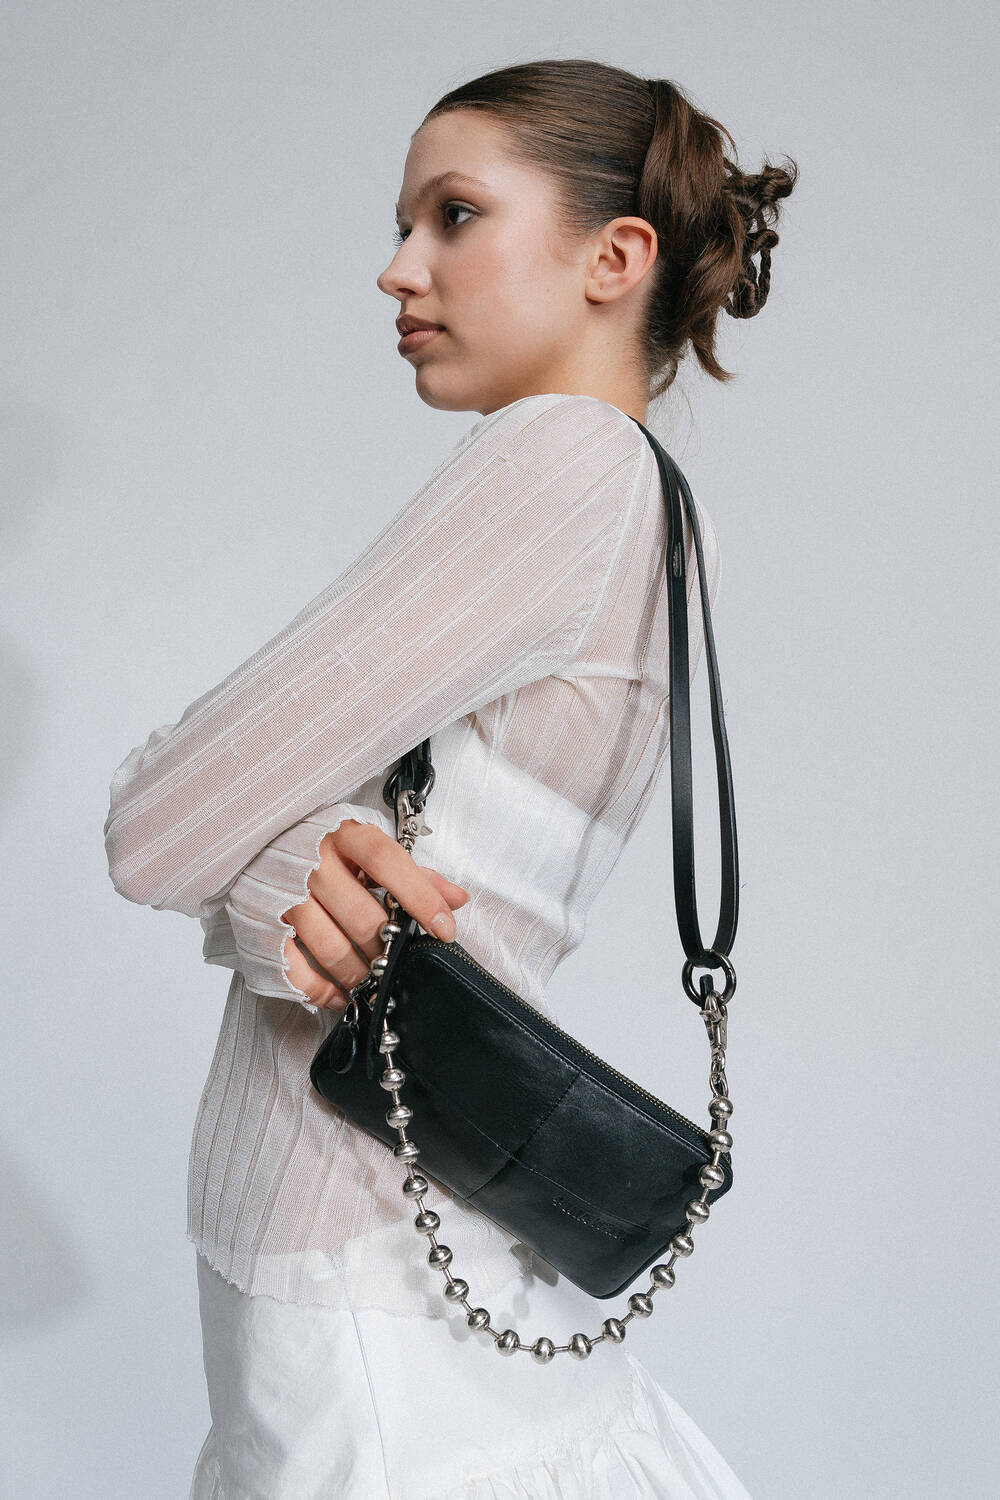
[(590, 1219)]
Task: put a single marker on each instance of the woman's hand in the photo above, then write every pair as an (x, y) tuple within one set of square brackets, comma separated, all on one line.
[(340, 919)]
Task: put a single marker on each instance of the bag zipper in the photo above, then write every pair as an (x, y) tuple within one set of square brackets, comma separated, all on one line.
[(425, 940)]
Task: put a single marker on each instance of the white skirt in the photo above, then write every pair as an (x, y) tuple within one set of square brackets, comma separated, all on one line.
[(317, 1403)]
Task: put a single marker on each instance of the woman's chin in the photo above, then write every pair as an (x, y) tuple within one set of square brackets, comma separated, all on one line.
[(444, 389)]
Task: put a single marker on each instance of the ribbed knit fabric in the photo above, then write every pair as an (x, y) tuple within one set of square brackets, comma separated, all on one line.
[(514, 611)]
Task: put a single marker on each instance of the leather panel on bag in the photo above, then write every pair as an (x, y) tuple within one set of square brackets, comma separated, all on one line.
[(589, 1246), (464, 1157), (644, 1173), (510, 1102)]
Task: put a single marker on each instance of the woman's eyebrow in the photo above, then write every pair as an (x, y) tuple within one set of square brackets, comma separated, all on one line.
[(439, 181)]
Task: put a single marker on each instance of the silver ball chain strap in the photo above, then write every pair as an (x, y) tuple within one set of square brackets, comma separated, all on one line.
[(713, 1008)]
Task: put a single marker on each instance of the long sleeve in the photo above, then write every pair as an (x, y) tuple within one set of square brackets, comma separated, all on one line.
[(484, 581)]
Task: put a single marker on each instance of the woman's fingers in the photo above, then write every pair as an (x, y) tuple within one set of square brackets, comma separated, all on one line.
[(329, 944), (336, 929), (387, 864), (305, 974)]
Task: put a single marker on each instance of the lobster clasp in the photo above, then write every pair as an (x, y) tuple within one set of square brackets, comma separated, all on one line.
[(714, 1013), (410, 814)]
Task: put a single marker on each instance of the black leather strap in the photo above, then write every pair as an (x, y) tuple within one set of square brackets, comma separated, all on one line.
[(415, 767), (685, 896)]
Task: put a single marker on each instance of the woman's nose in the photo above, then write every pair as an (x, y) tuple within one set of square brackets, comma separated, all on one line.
[(399, 279)]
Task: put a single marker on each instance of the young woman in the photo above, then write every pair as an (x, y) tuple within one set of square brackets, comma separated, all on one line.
[(566, 230)]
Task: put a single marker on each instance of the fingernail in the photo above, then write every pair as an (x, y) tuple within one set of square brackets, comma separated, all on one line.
[(444, 926)]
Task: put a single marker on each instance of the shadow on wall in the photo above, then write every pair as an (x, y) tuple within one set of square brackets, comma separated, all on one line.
[(41, 1272), (41, 1276)]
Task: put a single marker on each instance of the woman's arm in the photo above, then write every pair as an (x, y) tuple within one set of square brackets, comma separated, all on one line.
[(484, 581)]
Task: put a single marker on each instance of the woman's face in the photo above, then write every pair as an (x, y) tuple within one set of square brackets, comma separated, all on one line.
[(487, 261)]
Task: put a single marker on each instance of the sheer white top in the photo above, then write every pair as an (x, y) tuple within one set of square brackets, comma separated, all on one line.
[(514, 610)]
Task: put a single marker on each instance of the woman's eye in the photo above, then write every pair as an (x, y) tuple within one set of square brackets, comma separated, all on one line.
[(461, 208), (400, 235)]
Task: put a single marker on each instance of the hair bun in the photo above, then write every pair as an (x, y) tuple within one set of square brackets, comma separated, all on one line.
[(753, 199)]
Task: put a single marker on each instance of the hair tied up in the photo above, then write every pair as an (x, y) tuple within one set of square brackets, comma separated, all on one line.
[(754, 199)]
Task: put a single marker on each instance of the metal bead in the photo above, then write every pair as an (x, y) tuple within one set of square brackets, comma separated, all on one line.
[(710, 1176), (406, 1150), (392, 1078), (614, 1330), (427, 1222), (721, 1140), (389, 930), (379, 965), (682, 1244), (508, 1342), (478, 1318), (398, 1115), (579, 1346), (662, 1276), (696, 1211), (720, 1107), (388, 1041), (414, 1186), (456, 1289), (640, 1304), (542, 1350), (439, 1256)]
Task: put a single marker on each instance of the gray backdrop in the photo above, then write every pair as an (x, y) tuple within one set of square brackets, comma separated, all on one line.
[(206, 419)]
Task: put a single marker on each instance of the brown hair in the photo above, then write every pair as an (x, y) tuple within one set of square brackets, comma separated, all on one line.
[(619, 145)]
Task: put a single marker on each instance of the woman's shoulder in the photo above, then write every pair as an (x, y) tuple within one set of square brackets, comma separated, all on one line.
[(552, 426)]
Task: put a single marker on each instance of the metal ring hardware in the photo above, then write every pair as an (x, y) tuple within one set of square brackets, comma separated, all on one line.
[(720, 961)]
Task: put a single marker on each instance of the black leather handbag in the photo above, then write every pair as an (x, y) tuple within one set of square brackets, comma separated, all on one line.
[(522, 1122)]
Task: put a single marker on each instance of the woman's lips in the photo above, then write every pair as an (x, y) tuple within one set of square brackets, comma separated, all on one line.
[(416, 340)]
